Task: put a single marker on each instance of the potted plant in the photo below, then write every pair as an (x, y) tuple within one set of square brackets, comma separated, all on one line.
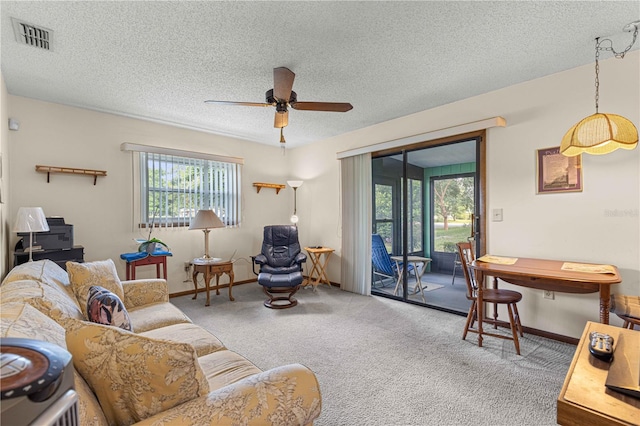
[(150, 245)]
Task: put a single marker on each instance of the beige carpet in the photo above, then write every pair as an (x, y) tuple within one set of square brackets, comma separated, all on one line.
[(384, 362)]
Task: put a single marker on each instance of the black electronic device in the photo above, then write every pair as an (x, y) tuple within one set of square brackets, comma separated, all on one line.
[(37, 384), (58, 237), (601, 346)]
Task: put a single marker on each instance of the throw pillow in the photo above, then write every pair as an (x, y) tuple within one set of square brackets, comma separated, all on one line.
[(134, 377), (104, 307), (83, 276)]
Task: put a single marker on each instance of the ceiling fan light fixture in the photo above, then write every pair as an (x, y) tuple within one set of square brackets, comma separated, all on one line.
[(282, 97)]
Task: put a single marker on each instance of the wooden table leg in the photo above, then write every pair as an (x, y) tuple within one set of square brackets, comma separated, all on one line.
[(231, 283), (164, 267), (419, 280), (480, 303), (400, 272), (128, 269), (218, 283), (323, 272), (605, 295), (315, 271), (194, 278), (207, 280)]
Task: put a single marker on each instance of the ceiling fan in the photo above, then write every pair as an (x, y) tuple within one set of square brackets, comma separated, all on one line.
[(282, 97)]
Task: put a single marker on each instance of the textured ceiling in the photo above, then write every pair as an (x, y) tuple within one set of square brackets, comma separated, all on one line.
[(161, 60)]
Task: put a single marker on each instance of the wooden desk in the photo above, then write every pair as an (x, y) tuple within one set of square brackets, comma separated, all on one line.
[(412, 260), (318, 272), (546, 275), (584, 400), (211, 269)]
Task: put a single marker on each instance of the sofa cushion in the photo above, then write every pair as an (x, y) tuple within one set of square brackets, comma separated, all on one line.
[(49, 300), (84, 275), (22, 320), (44, 271), (18, 319), (104, 307), (225, 367), (203, 342), (156, 315), (134, 376)]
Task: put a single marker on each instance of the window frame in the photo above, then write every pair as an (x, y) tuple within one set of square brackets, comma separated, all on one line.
[(220, 191)]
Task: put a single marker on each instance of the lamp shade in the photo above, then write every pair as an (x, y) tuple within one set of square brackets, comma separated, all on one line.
[(599, 134), (295, 183), (30, 219), (206, 219)]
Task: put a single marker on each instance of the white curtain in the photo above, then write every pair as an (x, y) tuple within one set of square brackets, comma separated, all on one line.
[(356, 224)]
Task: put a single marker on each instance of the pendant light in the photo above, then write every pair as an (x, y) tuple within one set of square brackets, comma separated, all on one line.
[(602, 133)]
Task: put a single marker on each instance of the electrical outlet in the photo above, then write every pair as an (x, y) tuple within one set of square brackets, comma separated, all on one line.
[(548, 294)]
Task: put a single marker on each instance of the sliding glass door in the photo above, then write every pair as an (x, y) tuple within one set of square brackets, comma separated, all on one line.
[(425, 200)]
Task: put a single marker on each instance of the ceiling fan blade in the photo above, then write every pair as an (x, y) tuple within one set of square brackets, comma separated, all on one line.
[(322, 106), (281, 120), (258, 104), (282, 83)]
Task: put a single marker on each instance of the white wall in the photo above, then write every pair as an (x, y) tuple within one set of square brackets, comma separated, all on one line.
[(573, 226), (4, 179), (103, 215), (538, 113)]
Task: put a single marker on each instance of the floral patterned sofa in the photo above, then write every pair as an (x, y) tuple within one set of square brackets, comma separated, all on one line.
[(166, 371)]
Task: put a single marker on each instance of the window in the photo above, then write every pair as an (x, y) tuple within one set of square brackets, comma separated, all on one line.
[(415, 233), (173, 188)]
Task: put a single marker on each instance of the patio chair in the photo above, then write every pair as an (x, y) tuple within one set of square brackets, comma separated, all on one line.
[(383, 266)]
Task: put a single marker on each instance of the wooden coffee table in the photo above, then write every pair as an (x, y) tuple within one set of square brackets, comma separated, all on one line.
[(584, 399)]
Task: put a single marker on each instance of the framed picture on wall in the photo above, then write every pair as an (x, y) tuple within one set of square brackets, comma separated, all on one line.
[(558, 173)]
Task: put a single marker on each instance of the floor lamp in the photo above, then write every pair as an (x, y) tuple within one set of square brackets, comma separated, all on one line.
[(31, 219), (295, 184)]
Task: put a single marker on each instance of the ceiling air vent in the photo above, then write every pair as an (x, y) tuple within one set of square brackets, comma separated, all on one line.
[(32, 35)]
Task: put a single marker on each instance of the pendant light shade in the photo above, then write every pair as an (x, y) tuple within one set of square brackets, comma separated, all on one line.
[(599, 134), (602, 133)]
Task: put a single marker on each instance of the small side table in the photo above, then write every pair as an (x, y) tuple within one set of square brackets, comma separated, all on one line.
[(412, 260), (142, 258), (210, 269), (318, 272)]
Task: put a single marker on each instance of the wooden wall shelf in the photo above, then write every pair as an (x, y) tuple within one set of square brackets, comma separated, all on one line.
[(85, 172), (276, 186)]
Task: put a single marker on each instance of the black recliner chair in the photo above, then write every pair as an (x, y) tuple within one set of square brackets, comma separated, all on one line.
[(280, 265)]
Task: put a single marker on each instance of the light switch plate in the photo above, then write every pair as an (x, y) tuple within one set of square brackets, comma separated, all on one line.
[(496, 215)]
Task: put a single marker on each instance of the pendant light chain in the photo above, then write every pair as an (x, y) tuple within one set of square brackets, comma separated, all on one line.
[(609, 48), (597, 73)]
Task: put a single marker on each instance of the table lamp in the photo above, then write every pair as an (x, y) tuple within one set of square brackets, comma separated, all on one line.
[(295, 184), (30, 219), (206, 220)]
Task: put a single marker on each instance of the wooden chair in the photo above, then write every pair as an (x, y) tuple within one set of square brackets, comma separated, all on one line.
[(489, 295), (627, 308)]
